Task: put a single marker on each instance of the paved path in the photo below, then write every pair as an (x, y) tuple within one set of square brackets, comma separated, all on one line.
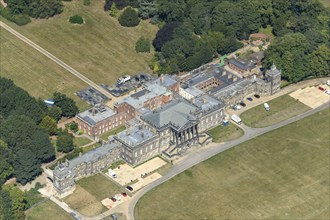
[(56, 60), (197, 157)]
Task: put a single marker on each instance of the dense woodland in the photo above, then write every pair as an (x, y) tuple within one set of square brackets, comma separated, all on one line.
[(193, 32), (25, 127)]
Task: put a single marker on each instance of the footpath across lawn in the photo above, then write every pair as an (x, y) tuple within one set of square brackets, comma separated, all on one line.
[(283, 174)]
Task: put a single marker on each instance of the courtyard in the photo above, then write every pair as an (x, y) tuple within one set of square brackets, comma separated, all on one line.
[(139, 176), (312, 96)]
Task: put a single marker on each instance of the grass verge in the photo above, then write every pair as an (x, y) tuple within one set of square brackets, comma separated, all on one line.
[(112, 132), (281, 108), (283, 174), (225, 133), (81, 141), (89, 193), (48, 210)]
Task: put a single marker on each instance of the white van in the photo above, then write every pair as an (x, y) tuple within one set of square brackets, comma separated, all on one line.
[(112, 173), (266, 106)]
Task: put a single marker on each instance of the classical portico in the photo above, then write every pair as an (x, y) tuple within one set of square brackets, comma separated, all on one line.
[(184, 136)]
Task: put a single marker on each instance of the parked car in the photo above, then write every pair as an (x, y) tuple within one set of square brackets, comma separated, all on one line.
[(242, 104), (250, 99), (321, 88), (113, 199), (129, 188), (257, 96), (123, 194)]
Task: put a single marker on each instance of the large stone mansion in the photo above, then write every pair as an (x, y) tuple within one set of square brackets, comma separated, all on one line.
[(167, 116)]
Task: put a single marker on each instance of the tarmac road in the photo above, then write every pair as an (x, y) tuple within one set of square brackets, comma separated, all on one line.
[(195, 158), (56, 60)]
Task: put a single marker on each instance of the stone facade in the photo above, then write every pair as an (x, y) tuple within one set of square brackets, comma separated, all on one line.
[(167, 126), (88, 164)]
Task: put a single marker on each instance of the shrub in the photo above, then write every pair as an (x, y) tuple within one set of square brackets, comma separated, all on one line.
[(86, 2), (142, 45), (76, 19), (19, 19), (129, 18)]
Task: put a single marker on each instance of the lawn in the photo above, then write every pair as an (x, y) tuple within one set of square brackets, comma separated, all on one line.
[(112, 132), (47, 209), (81, 141), (225, 133), (89, 193), (283, 174), (281, 108), (326, 3), (90, 147), (100, 49), (34, 72)]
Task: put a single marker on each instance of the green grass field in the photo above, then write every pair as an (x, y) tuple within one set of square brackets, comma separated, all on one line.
[(326, 3), (89, 193), (283, 174), (34, 72), (281, 108), (100, 49), (226, 133), (112, 132), (81, 141), (47, 210)]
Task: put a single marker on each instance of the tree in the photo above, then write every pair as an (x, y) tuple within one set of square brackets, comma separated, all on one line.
[(49, 125), (289, 53), (319, 61), (171, 10), (67, 105), (155, 69), (164, 35), (26, 165), (113, 10), (54, 112), (129, 18), (45, 8), (6, 169), (15, 100), (142, 45), (147, 8), (18, 201), (64, 143), (120, 4), (6, 211), (74, 127), (76, 19)]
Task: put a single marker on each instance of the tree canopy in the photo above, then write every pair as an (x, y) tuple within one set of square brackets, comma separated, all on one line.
[(24, 145), (129, 18), (66, 104)]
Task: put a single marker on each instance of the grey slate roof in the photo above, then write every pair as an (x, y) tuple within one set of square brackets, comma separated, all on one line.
[(100, 113), (177, 113), (207, 103), (166, 81), (135, 135), (240, 64), (138, 99), (90, 156)]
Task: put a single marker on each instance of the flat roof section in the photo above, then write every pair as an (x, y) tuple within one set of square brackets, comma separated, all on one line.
[(96, 114), (135, 135)]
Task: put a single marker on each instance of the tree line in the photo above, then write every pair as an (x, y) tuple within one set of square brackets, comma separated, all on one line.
[(192, 32), (20, 11), (25, 127)]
